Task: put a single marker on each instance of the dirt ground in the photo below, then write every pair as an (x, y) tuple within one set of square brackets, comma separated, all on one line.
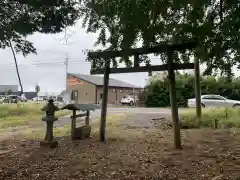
[(132, 152)]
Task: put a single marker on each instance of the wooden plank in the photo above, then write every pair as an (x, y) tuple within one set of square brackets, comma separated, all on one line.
[(147, 50), (173, 100), (104, 102), (136, 60), (87, 118), (144, 68), (198, 90)]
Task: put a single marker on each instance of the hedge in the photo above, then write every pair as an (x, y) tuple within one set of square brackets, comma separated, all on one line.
[(156, 93), (225, 118)]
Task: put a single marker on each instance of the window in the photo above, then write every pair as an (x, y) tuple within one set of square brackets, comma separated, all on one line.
[(214, 97), (101, 95), (127, 91), (120, 90), (74, 95), (218, 98), (206, 97), (114, 90)]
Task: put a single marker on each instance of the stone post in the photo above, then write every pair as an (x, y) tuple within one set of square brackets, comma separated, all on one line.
[(50, 109)]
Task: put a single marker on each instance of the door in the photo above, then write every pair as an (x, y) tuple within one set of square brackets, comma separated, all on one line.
[(214, 101), (219, 101)]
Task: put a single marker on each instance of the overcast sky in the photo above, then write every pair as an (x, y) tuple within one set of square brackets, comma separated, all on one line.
[(47, 67)]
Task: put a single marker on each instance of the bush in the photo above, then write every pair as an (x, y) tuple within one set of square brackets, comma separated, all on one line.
[(225, 117), (156, 92)]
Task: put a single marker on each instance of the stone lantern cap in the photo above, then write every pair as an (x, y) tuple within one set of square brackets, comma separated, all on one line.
[(50, 109)]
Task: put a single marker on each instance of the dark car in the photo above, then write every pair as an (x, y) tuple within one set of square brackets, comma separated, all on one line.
[(13, 98)]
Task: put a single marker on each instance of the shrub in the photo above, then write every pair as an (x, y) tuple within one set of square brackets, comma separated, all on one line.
[(225, 117), (156, 92)]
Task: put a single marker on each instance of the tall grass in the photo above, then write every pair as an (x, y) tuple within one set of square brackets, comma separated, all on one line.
[(225, 117), (12, 115)]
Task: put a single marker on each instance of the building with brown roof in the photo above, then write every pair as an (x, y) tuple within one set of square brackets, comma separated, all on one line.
[(89, 89)]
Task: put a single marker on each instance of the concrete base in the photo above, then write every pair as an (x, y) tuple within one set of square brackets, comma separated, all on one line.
[(82, 132), (49, 144)]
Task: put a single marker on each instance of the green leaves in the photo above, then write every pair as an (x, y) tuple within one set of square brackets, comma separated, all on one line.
[(22, 18), (146, 22), (158, 92)]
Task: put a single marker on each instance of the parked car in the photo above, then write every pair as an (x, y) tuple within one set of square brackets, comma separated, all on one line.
[(2, 99), (23, 98), (38, 98), (212, 100), (13, 98), (128, 100)]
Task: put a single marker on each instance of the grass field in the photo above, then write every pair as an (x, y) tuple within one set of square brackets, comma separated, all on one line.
[(12, 115), (224, 118), (207, 154), (112, 125)]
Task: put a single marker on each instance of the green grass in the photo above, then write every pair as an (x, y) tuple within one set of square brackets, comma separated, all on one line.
[(12, 115), (225, 118), (112, 124)]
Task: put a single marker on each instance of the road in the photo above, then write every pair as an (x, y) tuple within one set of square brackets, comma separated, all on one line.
[(146, 112)]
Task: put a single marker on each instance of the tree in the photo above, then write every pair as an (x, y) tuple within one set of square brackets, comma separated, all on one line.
[(9, 92), (20, 18), (214, 24), (157, 94), (37, 88)]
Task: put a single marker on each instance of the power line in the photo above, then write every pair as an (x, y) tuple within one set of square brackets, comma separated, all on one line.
[(45, 64)]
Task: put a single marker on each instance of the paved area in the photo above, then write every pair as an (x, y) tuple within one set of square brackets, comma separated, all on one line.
[(136, 117), (132, 113)]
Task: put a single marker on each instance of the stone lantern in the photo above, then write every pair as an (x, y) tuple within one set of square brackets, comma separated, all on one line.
[(50, 109)]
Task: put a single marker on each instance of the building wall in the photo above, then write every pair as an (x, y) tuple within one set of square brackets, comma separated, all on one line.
[(115, 94), (86, 91), (90, 93), (5, 88)]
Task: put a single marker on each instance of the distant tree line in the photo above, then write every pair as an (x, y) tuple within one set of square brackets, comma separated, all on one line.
[(156, 93)]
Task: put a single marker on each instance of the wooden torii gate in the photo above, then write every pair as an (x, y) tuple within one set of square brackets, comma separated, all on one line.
[(170, 66)]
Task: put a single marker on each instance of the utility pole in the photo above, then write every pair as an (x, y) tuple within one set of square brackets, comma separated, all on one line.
[(66, 71)]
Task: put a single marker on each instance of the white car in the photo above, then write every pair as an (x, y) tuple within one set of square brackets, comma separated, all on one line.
[(38, 98), (129, 100), (23, 98), (212, 100)]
